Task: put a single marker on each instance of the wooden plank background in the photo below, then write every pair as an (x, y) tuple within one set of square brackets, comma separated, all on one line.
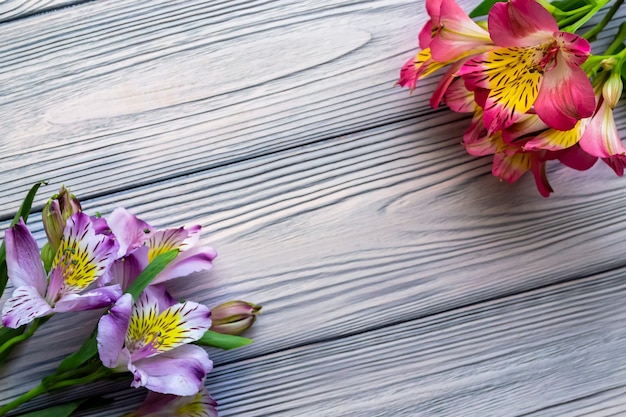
[(398, 276)]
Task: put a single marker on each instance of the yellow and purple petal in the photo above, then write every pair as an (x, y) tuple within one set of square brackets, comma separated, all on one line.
[(153, 331), (512, 79), (82, 258), (167, 405)]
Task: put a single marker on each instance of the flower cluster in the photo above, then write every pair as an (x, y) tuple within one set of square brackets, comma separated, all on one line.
[(120, 263), (535, 91)]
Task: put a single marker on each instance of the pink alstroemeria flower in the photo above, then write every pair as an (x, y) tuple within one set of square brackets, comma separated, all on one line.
[(535, 65), (164, 405), (150, 338), (454, 34), (83, 257), (140, 243)]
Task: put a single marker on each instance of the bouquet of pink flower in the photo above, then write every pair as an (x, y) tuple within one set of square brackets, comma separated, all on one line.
[(535, 91), (118, 263)]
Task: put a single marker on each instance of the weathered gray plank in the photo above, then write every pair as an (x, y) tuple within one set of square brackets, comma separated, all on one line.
[(119, 94), (17, 9), (376, 228), (556, 351)]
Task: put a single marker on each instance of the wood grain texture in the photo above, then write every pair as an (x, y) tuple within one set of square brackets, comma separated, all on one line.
[(382, 227), (11, 10), (553, 352), (145, 91)]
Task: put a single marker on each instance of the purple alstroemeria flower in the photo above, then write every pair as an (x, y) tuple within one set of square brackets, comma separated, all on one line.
[(140, 243), (150, 338), (165, 405), (82, 258)]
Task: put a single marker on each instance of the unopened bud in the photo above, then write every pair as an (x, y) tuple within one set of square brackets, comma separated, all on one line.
[(55, 213), (234, 317), (612, 89)]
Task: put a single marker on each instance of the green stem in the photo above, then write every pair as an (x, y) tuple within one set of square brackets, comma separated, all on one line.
[(27, 396), (575, 26), (605, 20), (618, 41), (100, 373), (28, 333)]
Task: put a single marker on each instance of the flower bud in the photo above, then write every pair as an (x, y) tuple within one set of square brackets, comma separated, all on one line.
[(234, 317), (55, 213), (612, 89)]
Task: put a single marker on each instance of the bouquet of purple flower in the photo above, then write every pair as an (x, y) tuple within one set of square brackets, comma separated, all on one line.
[(118, 263)]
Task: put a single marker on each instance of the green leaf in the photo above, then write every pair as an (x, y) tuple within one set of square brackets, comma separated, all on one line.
[(483, 8), (23, 212), (223, 341), (152, 270), (88, 350), (63, 410), (569, 5)]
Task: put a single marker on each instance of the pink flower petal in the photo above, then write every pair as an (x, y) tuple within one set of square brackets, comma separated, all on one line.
[(459, 98), (24, 265), (520, 23), (24, 306), (511, 167), (576, 158), (601, 137), (565, 96), (554, 140)]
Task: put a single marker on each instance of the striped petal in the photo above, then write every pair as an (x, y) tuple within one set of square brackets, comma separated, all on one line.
[(513, 81), (152, 332), (24, 306), (82, 258), (417, 68), (180, 371), (554, 140), (510, 167)]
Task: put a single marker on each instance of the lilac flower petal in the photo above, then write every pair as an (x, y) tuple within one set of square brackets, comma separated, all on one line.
[(24, 264), (153, 332), (24, 306), (125, 270), (179, 371), (193, 260), (131, 232), (167, 405), (89, 300), (112, 329)]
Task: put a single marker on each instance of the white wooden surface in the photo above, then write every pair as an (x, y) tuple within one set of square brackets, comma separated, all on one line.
[(346, 207)]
